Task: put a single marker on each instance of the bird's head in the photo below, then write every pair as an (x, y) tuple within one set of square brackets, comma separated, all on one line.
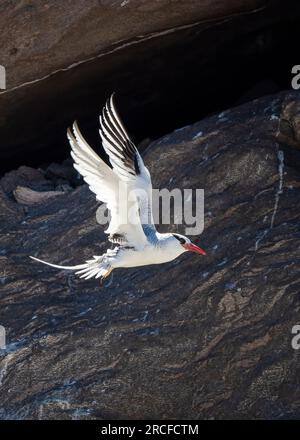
[(186, 244)]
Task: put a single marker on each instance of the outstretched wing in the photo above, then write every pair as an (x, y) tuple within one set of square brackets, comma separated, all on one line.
[(127, 164), (99, 176), (105, 183)]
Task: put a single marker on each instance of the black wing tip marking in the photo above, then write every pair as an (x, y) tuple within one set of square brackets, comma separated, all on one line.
[(112, 123)]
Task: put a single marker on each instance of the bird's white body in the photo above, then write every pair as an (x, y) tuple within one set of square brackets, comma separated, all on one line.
[(165, 250), (137, 243)]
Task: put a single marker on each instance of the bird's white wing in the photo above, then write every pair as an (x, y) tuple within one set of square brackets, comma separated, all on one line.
[(99, 176), (105, 183), (128, 165)]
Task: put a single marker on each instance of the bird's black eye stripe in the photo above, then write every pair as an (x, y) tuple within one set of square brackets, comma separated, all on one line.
[(180, 239)]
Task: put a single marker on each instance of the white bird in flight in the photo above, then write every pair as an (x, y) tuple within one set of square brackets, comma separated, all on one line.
[(137, 243)]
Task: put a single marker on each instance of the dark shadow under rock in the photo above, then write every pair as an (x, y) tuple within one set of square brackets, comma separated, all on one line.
[(167, 69)]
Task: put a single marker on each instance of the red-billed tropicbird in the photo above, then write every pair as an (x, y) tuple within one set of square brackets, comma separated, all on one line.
[(138, 243)]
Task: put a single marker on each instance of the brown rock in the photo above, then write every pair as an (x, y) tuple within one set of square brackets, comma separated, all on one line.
[(27, 196), (64, 58), (195, 338), (43, 37), (24, 176)]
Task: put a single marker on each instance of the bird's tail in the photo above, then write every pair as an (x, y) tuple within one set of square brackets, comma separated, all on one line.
[(98, 267), (79, 266)]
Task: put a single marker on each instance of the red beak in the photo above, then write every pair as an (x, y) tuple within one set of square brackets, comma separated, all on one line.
[(193, 248)]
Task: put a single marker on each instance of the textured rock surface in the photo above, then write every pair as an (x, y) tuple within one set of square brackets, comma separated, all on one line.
[(196, 338), (63, 58), (43, 37)]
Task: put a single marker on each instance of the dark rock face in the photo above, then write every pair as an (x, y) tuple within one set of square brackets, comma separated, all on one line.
[(200, 337), (44, 37), (63, 59)]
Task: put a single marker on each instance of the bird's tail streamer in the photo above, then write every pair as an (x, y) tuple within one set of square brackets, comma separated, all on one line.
[(98, 267)]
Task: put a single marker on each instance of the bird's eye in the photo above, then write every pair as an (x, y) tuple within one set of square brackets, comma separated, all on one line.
[(180, 239)]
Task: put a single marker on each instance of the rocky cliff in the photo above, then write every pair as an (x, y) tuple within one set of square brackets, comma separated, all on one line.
[(200, 337), (64, 58)]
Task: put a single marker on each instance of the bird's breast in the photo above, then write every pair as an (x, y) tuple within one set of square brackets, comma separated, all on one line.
[(143, 257)]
